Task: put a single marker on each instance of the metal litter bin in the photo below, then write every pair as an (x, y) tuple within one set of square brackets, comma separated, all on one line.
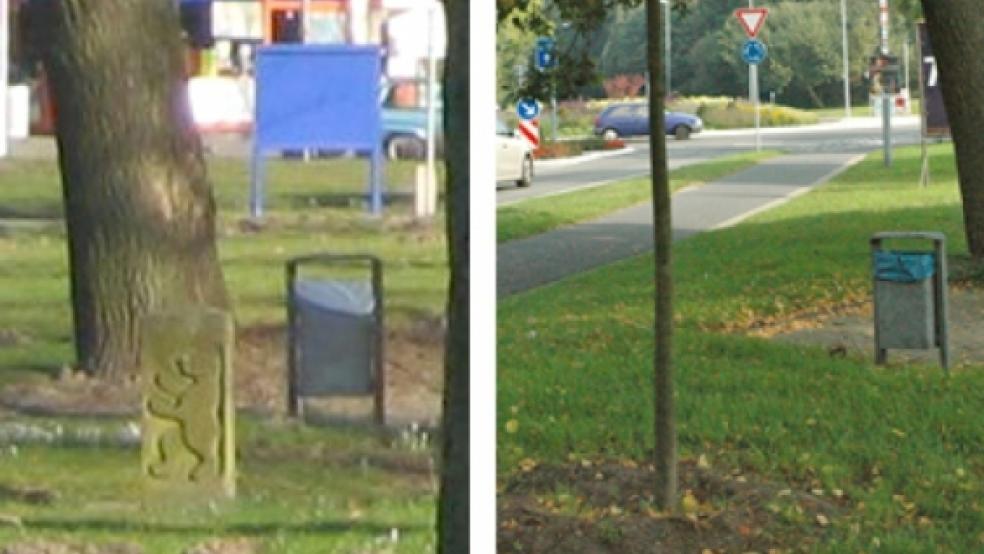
[(910, 295), (335, 332)]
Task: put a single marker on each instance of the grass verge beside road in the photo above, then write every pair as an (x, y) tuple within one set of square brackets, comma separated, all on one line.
[(902, 443), (539, 215)]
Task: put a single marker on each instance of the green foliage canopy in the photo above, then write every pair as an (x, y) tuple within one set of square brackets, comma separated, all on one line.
[(604, 38)]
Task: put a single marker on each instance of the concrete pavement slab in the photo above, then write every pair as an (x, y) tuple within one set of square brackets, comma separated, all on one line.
[(534, 261)]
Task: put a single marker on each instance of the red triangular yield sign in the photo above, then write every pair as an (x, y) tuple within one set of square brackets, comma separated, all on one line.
[(751, 19)]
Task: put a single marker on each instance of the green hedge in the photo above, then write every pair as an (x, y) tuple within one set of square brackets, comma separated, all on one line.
[(728, 113)]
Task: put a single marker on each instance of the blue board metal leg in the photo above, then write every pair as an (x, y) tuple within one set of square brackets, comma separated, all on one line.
[(376, 183), (256, 187)]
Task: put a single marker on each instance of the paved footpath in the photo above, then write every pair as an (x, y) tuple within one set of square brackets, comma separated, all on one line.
[(528, 263)]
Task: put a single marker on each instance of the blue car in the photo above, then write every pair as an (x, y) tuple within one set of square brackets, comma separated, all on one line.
[(625, 120), (405, 133), (405, 127)]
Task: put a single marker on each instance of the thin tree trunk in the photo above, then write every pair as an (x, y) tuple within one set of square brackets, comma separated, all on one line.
[(665, 420), (957, 32), (453, 511), (138, 205)]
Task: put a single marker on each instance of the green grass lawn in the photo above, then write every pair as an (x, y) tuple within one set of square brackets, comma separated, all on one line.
[(903, 443), (311, 208), (301, 490), (539, 215)]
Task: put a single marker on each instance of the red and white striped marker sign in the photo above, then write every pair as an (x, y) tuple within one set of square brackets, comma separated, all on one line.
[(530, 130)]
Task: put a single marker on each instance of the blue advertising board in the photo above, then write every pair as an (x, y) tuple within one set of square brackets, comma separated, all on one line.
[(318, 97)]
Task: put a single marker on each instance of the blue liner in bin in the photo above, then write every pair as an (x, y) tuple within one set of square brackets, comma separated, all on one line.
[(904, 267)]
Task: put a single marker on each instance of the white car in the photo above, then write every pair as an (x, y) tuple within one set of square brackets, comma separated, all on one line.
[(513, 157)]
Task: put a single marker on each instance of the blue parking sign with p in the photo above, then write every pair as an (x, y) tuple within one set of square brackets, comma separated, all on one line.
[(545, 55)]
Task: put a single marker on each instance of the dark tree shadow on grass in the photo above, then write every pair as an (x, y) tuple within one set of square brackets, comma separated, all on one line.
[(244, 529)]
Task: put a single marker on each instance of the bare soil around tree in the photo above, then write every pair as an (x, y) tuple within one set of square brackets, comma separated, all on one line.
[(414, 380), (607, 507)]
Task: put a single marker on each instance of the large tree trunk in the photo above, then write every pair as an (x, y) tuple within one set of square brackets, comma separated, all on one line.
[(138, 205), (453, 512), (665, 420), (957, 33)]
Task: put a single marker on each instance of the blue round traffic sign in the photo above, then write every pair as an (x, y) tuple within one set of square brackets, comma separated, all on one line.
[(528, 109), (754, 51)]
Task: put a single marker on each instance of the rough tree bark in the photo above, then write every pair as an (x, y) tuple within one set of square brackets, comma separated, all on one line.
[(453, 511), (665, 420), (957, 31), (138, 205)]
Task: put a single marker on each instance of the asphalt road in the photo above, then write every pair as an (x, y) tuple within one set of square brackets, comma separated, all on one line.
[(850, 136), (534, 261)]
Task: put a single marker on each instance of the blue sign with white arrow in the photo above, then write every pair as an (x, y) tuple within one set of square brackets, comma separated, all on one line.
[(545, 56), (754, 51), (528, 109)]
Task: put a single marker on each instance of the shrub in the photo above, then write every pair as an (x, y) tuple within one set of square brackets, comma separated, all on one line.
[(624, 86), (614, 144), (549, 150), (568, 148), (724, 113)]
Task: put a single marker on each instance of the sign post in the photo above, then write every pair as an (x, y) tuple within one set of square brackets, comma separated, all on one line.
[(546, 60), (431, 177), (887, 95), (754, 53), (4, 63)]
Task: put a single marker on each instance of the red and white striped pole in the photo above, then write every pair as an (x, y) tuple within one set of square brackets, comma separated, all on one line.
[(530, 131)]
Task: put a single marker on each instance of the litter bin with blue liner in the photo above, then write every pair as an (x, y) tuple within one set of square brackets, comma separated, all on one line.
[(910, 295), (335, 332)]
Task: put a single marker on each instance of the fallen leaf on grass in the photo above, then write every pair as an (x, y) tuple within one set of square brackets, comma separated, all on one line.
[(702, 462), (822, 520), (512, 426), (527, 464), (689, 503)]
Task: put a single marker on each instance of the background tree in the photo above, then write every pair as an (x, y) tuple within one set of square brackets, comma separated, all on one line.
[(138, 204), (664, 414), (453, 509), (578, 49), (956, 28), (706, 41), (582, 16)]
